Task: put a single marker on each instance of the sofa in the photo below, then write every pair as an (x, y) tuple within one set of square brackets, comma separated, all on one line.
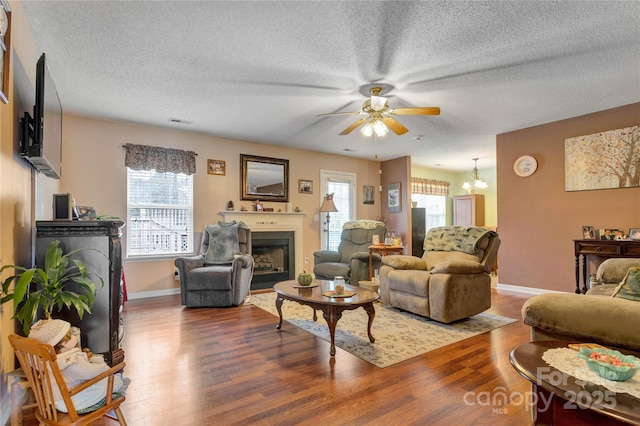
[(451, 280), (595, 317)]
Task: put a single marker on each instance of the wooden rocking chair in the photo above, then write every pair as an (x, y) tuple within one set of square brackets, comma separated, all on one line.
[(38, 360)]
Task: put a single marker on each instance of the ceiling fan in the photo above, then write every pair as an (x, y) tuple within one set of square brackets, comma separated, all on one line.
[(379, 115)]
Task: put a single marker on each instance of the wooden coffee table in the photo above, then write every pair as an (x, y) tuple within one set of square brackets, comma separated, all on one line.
[(331, 308), (563, 399)]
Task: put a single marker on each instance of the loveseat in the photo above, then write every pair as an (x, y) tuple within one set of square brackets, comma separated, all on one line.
[(450, 282), (595, 317)]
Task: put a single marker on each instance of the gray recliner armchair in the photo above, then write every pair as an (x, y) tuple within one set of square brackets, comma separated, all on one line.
[(351, 261), (221, 274)]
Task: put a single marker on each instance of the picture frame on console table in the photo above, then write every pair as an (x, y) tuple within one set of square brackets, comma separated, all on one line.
[(611, 234), (588, 233), (634, 234)]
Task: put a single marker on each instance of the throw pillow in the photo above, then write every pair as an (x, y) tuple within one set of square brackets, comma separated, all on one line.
[(629, 287)]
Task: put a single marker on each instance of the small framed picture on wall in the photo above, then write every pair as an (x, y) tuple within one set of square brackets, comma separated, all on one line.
[(394, 200), (305, 186), (217, 167), (368, 194)]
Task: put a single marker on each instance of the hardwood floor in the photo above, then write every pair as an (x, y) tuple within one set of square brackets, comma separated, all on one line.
[(230, 367)]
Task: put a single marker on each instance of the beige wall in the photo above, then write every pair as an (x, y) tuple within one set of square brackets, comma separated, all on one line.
[(398, 171), (95, 175), (538, 219)]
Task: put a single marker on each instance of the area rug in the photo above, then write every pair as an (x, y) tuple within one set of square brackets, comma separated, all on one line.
[(399, 335)]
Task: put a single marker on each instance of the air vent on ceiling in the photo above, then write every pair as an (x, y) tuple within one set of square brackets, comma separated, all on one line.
[(180, 121)]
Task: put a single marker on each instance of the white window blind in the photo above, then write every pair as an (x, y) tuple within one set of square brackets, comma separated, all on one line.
[(342, 185), (159, 213), (342, 199)]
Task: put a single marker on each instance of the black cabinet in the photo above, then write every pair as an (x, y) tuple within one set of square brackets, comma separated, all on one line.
[(418, 230), (101, 330)]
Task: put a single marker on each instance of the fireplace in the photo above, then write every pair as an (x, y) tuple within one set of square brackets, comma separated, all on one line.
[(273, 223), (273, 258)]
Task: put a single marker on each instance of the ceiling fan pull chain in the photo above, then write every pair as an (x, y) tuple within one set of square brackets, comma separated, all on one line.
[(375, 145)]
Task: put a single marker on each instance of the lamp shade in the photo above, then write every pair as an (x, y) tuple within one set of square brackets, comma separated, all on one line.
[(328, 206)]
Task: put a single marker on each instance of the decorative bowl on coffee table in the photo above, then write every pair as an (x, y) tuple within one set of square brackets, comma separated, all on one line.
[(625, 366)]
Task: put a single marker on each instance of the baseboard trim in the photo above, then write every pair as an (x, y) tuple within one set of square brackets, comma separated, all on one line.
[(532, 291), (499, 287), (153, 293)]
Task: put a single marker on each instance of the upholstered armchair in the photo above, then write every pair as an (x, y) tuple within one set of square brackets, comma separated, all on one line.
[(221, 274), (452, 279), (351, 261)]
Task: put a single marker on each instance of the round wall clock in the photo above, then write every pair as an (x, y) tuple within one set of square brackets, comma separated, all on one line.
[(525, 166)]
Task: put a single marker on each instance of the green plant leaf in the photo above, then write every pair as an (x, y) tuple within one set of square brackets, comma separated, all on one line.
[(48, 288)]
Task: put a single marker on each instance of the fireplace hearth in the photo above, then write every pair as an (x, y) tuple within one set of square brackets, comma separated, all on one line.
[(273, 258)]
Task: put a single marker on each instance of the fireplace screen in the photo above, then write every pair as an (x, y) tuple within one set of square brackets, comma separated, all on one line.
[(273, 258)]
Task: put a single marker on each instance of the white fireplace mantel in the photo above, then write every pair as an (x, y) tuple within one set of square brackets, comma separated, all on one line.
[(273, 221)]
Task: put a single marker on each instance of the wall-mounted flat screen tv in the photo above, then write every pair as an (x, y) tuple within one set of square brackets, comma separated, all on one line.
[(41, 136)]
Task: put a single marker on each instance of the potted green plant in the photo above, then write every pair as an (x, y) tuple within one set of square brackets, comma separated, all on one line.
[(51, 288)]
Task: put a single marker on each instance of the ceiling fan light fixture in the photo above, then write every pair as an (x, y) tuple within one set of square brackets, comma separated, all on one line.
[(380, 128), (367, 130), (378, 103)]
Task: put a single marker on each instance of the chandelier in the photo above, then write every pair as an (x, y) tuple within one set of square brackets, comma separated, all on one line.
[(476, 181)]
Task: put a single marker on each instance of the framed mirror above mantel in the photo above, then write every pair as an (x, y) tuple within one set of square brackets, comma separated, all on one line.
[(264, 178)]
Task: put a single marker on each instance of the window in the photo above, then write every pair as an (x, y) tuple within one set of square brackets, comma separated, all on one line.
[(435, 209), (432, 196), (159, 213), (342, 185)]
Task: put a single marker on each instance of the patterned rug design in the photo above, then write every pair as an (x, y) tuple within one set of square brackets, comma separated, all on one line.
[(399, 335)]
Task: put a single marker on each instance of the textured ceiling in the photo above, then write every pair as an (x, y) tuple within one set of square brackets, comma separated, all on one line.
[(263, 71)]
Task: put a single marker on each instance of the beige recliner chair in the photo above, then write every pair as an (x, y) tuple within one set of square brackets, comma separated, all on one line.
[(450, 282)]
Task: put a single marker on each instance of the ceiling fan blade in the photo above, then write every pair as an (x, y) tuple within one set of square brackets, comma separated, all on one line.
[(415, 111), (394, 125), (339, 113), (352, 127)]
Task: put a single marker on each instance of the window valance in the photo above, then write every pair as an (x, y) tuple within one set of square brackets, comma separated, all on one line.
[(144, 157), (429, 186)]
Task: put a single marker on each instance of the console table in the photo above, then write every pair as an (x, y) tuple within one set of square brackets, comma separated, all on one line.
[(601, 248)]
